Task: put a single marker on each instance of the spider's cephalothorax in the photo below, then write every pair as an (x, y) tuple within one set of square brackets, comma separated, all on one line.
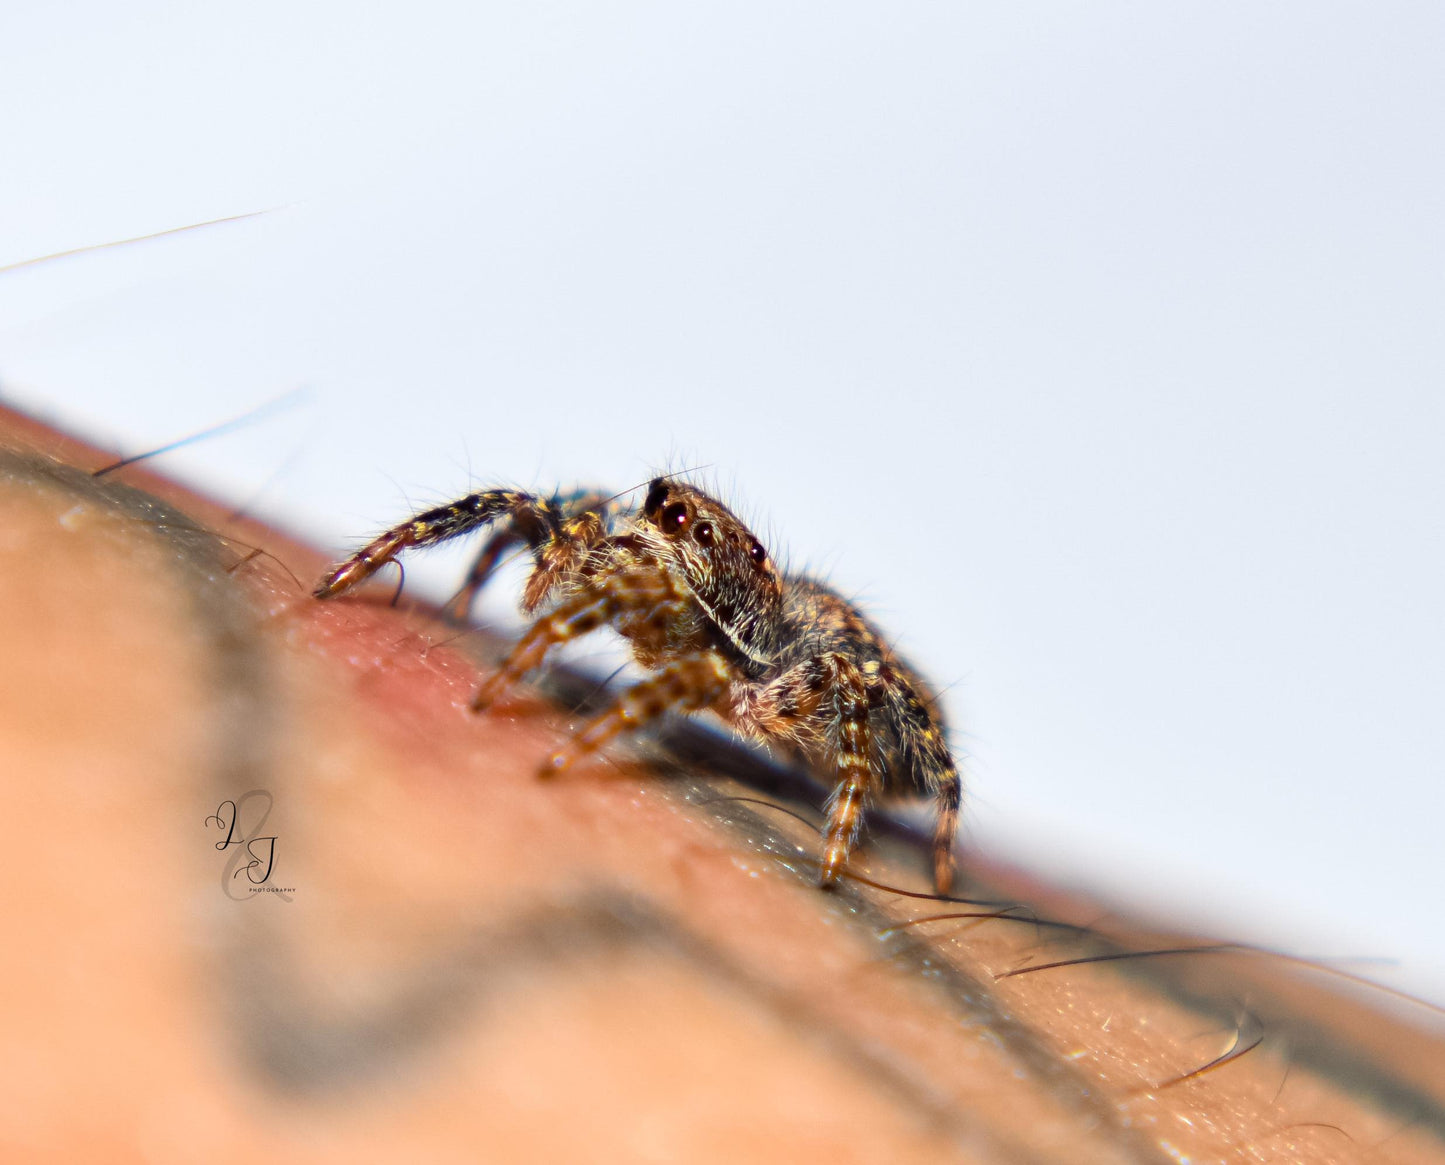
[(783, 659)]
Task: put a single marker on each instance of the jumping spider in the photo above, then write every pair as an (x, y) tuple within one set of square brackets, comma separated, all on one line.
[(781, 658)]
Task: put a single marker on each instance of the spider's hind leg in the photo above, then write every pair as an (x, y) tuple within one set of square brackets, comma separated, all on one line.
[(945, 865), (856, 779), (926, 757), (820, 706)]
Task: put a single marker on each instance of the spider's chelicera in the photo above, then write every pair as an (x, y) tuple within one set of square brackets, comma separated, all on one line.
[(780, 657)]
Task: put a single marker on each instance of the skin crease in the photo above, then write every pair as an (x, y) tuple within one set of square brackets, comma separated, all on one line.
[(455, 961)]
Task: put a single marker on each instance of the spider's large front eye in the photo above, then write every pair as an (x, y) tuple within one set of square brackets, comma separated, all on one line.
[(674, 518), (703, 533)]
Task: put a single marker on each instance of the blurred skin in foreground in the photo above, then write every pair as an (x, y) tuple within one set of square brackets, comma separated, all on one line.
[(412, 949)]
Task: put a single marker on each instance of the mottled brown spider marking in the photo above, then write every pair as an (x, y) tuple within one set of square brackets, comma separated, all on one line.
[(783, 659)]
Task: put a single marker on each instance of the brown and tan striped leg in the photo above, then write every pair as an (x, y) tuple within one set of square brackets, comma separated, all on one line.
[(925, 740), (605, 600), (855, 774), (459, 609), (831, 687), (950, 794), (574, 618), (684, 685), (536, 520)]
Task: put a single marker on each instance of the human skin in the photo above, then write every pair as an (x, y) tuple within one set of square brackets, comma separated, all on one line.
[(453, 960)]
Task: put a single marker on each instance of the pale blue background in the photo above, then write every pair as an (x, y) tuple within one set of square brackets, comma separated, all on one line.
[(1099, 348)]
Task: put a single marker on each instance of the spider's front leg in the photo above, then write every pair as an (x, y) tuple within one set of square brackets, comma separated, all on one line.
[(640, 600), (689, 684), (603, 601), (534, 518)]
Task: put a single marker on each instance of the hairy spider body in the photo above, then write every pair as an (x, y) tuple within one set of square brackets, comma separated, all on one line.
[(781, 658)]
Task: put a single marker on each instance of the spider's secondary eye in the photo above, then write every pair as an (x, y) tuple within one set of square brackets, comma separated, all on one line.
[(674, 518), (757, 554), (703, 533)]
